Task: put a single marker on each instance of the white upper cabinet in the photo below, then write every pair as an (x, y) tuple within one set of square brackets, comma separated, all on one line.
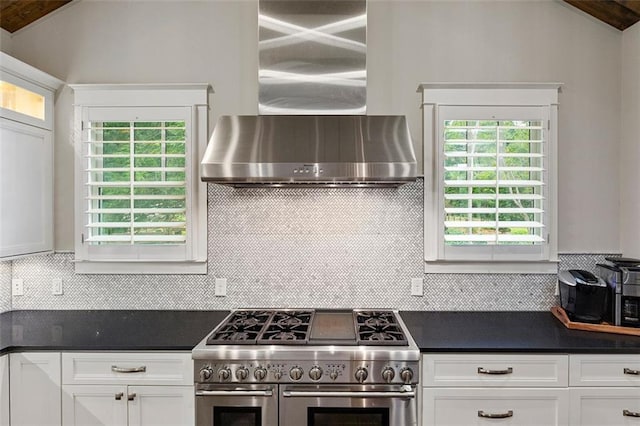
[(26, 158)]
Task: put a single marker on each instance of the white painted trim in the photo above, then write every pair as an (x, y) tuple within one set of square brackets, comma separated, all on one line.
[(453, 267), (135, 268), (141, 95), (22, 70), (488, 85), (490, 94)]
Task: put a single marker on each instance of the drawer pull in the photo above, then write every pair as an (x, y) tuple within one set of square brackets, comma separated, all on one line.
[(629, 413), (495, 415), (117, 369), (119, 396), (131, 396), (632, 372), (482, 370)]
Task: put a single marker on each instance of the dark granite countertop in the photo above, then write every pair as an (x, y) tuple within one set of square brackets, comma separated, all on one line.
[(509, 332), (102, 330), (105, 330)]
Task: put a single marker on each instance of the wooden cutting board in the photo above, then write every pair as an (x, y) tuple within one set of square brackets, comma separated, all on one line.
[(559, 313)]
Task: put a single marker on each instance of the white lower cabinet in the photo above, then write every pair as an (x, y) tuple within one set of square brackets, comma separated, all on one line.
[(34, 383), (605, 406), (85, 405), (134, 389), (478, 406), (526, 389), (4, 390), (605, 390), (495, 389)]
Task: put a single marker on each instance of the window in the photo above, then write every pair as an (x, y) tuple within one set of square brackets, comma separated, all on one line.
[(140, 206), (490, 199)]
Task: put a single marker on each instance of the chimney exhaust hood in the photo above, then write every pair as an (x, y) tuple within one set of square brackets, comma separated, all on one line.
[(326, 150), (312, 92)]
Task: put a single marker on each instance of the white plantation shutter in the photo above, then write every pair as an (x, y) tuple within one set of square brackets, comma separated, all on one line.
[(493, 188), (136, 173), (136, 187)]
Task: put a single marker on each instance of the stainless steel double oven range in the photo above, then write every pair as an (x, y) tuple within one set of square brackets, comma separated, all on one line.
[(307, 368)]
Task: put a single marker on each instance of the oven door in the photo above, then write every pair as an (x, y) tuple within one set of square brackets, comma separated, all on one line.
[(245, 405), (371, 405)]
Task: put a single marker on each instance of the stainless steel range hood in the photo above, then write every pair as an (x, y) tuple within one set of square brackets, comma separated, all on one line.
[(312, 73), (284, 150)]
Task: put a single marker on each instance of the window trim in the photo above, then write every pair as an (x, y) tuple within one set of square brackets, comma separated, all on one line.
[(193, 96), (435, 95)]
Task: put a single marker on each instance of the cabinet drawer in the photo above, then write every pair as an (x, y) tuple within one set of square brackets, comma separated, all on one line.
[(450, 370), (604, 406), (135, 368), (475, 406), (604, 370)]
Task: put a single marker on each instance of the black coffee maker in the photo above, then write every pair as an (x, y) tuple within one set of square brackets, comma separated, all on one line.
[(622, 275)]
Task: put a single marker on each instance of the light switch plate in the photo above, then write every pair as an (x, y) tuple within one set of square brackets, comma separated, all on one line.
[(416, 287), (221, 287), (17, 287)]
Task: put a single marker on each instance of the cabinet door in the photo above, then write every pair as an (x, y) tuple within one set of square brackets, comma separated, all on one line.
[(35, 388), (161, 405), (87, 405), (4, 390), (605, 406), (484, 406), (26, 189)]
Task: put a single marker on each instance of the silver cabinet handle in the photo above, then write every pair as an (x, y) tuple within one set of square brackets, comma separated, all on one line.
[(632, 372), (482, 370), (629, 413), (119, 396), (338, 394), (131, 396), (495, 415), (117, 369), (267, 392)]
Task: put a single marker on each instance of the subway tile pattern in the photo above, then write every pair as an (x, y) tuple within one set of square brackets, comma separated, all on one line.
[(311, 247), (5, 286)]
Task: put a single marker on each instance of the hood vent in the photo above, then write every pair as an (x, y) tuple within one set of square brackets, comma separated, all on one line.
[(312, 88), (327, 150)]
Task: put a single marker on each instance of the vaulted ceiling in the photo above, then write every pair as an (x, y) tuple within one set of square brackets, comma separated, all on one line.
[(621, 14)]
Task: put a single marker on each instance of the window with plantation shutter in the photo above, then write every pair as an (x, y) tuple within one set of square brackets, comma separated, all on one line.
[(141, 207), (491, 198)]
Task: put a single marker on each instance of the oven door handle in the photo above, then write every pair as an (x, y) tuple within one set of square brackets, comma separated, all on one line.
[(348, 394), (267, 392)]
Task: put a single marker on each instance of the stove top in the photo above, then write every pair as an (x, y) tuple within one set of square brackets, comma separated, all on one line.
[(258, 346), (309, 327)]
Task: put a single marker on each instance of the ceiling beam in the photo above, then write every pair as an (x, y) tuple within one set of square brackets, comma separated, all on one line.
[(620, 14)]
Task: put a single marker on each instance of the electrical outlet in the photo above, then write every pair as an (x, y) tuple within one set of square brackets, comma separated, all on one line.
[(221, 287), (17, 287), (56, 287), (557, 291), (416, 287)]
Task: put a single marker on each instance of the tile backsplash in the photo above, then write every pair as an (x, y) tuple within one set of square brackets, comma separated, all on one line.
[(311, 247), (5, 286)]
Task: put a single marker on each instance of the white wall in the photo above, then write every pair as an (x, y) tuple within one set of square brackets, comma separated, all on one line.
[(5, 41), (409, 42), (630, 144)]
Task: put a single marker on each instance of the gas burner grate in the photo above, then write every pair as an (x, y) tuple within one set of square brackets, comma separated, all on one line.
[(241, 328), (288, 328), (378, 328)]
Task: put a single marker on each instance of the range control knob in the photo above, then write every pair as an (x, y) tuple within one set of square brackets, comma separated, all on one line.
[(315, 373), (333, 375), (388, 374), (260, 374), (205, 373), (242, 374), (406, 374), (361, 374), (224, 374), (277, 374), (296, 373)]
